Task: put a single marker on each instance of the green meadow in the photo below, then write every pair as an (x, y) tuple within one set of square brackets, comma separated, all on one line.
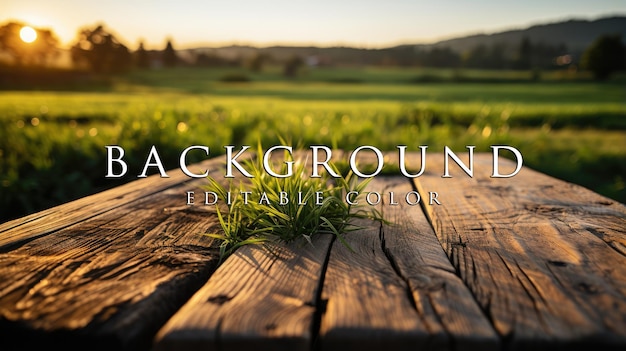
[(52, 141)]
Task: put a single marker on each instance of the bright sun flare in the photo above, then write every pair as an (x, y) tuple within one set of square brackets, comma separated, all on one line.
[(28, 34)]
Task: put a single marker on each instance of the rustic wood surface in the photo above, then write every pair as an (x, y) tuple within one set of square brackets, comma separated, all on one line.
[(544, 259), (528, 262), (18, 231), (398, 289), (441, 298), (105, 271), (259, 299), (367, 302)]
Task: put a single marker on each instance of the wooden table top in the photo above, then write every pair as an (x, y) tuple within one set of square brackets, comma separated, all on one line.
[(528, 262)]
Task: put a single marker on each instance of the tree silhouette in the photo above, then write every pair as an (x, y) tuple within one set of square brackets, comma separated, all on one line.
[(604, 56), (441, 57), (524, 60), (38, 52), (142, 60), (477, 57), (257, 61), (292, 65), (170, 59), (100, 51)]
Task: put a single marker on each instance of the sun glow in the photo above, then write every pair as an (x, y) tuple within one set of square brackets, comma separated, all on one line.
[(28, 34)]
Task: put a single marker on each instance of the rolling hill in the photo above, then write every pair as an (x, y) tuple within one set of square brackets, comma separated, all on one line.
[(571, 36)]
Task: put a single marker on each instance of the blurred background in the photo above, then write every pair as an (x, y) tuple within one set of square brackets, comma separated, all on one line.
[(548, 79)]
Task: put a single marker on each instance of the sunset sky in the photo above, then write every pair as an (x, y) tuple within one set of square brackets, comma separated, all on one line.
[(362, 23)]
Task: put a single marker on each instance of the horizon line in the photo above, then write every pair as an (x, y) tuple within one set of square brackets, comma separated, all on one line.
[(323, 44)]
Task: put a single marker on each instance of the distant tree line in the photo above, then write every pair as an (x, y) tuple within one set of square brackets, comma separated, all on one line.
[(521, 56), (97, 50), (39, 52), (525, 56)]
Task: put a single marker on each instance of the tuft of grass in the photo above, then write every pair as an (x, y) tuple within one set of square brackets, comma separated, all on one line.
[(263, 218)]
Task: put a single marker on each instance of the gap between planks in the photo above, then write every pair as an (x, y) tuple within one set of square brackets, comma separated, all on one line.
[(545, 259), (242, 304), (111, 278)]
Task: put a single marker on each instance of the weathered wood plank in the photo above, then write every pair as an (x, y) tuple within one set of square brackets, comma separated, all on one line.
[(42, 223), (111, 280), (367, 305), (442, 300), (255, 300), (398, 289), (543, 258)]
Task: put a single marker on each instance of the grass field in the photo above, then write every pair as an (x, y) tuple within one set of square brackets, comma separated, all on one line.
[(52, 142)]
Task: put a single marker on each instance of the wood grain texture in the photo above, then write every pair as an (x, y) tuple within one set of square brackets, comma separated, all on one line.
[(544, 258), (257, 299), (42, 223), (398, 289), (367, 305), (108, 279), (442, 301), (528, 262)]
